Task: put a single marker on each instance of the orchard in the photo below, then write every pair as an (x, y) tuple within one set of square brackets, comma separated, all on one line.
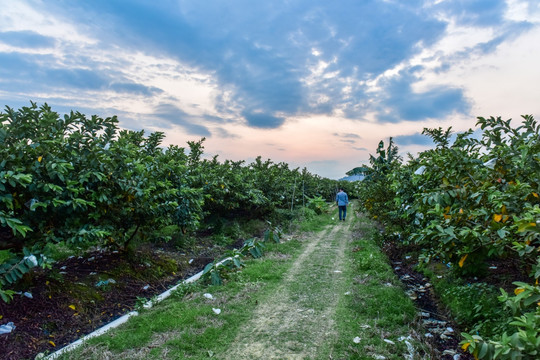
[(471, 201)]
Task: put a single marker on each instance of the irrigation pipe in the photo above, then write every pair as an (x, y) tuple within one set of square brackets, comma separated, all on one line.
[(102, 330)]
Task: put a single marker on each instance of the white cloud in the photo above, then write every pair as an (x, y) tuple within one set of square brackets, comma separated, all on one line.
[(21, 16), (519, 10)]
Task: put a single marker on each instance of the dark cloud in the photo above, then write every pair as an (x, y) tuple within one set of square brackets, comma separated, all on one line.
[(135, 88), (36, 73), (348, 135), (77, 78), (222, 133), (262, 120), (173, 115), (26, 39), (400, 103), (260, 53), (360, 148), (260, 50)]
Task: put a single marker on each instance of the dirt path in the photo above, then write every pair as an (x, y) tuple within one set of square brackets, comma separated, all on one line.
[(297, 322)]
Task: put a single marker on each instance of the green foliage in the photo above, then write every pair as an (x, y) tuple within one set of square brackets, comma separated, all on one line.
[(475, 306), (375, 195), (317, 204), (524, 343), (467, 200), (232, 260), (81, 182)]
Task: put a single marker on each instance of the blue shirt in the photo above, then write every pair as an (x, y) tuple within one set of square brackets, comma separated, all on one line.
[(342, 198)]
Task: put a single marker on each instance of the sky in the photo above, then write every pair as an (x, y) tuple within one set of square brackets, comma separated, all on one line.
[(313, 83)]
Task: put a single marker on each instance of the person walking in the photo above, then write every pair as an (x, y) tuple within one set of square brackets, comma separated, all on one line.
[(342, 201)]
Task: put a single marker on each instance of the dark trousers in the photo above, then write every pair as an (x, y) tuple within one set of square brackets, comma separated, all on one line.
[(342, 210)]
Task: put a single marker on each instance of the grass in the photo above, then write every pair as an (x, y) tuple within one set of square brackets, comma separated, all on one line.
[(376, 308), (308, 297), (185, 323), (473, 305)]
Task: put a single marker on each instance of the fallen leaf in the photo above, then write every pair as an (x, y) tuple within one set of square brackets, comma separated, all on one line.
[(72, 307)]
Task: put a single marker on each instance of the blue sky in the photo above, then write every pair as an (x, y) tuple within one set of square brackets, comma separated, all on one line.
[(312, 83)]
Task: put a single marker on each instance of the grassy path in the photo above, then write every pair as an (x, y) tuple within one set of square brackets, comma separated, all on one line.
[(298, 321), (327, 293)]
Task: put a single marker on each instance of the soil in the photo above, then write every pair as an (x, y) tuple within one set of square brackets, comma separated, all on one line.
[(79, 295), (434, 318)]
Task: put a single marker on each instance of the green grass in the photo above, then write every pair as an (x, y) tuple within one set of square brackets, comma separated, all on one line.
[(376, 308), (363, 299), (473, 305), (185, 324)]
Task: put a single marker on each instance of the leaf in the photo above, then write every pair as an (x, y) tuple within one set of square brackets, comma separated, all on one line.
[(216, 279), (518, 291), (531, 300), (462, 260), (72, 307), (39, 158), (524, 226), (483, 350), (497, 217)]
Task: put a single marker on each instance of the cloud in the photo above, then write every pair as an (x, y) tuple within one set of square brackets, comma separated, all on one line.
[(39, 73), (78, 78), (135, 88), (223, 133), (347, 135), (258, 64), (475, 12), (265, 61), (262, 120), (414, 139), (26, 39), (171, 114), (400, 103)]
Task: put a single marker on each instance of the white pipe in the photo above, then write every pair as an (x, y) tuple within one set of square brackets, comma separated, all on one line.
[(102, 330)]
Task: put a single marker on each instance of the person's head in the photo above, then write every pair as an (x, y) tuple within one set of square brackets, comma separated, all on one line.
[(340, 189)]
